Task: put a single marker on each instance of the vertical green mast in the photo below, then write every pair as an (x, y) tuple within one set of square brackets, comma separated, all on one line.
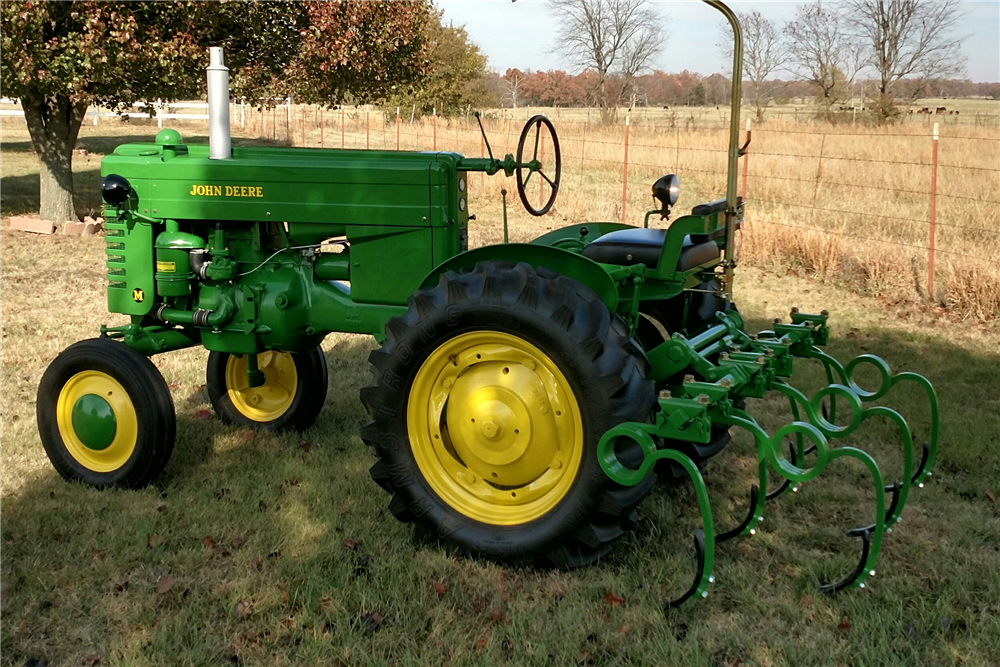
[(734, 143)]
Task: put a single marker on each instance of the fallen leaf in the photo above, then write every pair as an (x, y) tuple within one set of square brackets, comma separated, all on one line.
[(237, 542), (92, 659), (204, 413), (484, 641), (164, 584), (585, 658), (496, 614), (438, 587), (284, 594), (622, 629), (613, 599), (208, 542), (122, 587), (350, 543), (370, 623), (324, 603), (992, 496), (154, 540), (844, 627), (243, 609)]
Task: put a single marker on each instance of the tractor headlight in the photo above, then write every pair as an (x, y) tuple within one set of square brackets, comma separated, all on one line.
[(667, 189)]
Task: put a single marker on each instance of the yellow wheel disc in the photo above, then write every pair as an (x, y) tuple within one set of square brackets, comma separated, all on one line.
[(104, 439), (495, 428), (270, 400)]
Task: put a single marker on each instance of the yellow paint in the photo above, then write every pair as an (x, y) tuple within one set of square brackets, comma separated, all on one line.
[(495, 428), (115, 455), (270, 400), (166, 267), (226, 190)]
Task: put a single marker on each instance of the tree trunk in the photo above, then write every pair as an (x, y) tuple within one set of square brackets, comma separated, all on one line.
[(54, 124)]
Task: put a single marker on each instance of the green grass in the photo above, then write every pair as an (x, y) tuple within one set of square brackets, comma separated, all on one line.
[(281, 548)]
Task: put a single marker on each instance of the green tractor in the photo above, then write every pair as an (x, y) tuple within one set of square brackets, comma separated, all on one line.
[(523, 394)]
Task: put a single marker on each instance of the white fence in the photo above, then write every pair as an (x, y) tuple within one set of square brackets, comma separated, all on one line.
[(160, 110)]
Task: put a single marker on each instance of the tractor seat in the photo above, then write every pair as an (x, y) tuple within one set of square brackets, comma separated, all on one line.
[(643, 246)]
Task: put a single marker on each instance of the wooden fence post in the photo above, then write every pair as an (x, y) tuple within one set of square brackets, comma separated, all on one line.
[(397, 128), (933, 220), (625, 166)]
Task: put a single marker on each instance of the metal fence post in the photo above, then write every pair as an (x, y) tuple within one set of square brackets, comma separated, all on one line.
[(746, 167), (933, 220), (625, 165)]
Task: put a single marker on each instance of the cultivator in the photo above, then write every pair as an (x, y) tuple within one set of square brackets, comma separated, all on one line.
[(731, 366), (521, 394)]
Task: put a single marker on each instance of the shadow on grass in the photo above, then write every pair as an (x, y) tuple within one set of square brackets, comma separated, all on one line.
[(280, 543), (19, 195)]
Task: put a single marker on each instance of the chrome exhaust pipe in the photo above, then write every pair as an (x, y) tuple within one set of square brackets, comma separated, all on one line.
[(219, 139)]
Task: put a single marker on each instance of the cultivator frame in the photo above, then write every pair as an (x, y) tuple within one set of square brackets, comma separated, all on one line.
[(734, 366)]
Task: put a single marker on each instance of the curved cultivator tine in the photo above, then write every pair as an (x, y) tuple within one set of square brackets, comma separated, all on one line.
[(745, 524), (866, 545), (699, 550), (704, 536), (889, 514)]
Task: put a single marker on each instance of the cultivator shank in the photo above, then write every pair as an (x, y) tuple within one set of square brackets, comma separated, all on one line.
[(708, 376)]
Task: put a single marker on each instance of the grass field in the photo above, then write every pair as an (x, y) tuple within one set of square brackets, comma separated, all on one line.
[(265, 549)]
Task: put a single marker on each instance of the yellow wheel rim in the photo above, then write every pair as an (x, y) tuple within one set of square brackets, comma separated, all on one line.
[(270, 400), (495, 428), (95, 449)]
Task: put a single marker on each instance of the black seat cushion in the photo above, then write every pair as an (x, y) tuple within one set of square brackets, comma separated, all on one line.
[(643, 246)]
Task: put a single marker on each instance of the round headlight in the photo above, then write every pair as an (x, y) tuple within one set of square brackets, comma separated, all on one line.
[(667, 189)]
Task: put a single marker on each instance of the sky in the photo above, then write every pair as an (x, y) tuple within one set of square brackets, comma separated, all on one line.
[(522, 34)]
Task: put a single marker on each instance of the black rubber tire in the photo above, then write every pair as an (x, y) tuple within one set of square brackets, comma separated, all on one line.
[(145, 388), (604, 367), (310, 393)]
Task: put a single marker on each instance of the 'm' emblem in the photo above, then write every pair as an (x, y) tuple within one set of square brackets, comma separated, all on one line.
[(137, 295)]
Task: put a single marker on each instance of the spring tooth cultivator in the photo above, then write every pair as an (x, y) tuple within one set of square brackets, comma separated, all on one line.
[(522, 393)]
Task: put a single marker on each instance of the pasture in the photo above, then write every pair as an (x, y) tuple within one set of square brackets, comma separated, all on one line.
[(263, 549)]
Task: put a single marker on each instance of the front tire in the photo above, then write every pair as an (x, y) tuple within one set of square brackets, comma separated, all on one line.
[(291, 397), (488, 400), (105, 415)]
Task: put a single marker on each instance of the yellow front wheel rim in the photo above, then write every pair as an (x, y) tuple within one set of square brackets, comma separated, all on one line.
[(97, 421), (270, 400), (495, 428)]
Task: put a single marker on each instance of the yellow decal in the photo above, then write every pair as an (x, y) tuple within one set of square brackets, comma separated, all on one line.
[(138, 295), (166, 267), (227, 190)]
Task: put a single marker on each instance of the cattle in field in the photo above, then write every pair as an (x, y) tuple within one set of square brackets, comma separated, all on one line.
[(941, 110)]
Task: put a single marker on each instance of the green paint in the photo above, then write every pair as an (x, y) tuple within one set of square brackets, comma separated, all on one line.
[(94, 421)]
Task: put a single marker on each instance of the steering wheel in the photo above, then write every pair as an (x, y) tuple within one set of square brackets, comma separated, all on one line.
[(535, 164)]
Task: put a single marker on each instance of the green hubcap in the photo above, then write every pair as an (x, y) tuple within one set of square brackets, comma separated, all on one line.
[(94, 421)]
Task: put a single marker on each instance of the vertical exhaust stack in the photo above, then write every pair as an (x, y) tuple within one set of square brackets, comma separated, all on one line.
[(219, 141)]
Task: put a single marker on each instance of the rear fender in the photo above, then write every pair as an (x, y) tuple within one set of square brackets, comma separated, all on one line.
[(569, 264)]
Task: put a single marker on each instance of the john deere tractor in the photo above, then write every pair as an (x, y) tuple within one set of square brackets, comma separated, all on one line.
[(524, 394)]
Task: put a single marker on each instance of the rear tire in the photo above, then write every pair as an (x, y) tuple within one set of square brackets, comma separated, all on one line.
[(291, 397), (498, 335), (105, 415)]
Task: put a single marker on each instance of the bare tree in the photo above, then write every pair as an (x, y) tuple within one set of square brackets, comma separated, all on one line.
[(823, 51), (910, 39), (764, 55), (615, 38), (512, 81)]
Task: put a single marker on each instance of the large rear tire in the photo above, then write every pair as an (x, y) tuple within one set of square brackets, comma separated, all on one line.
[(105, 415), (488, 400)]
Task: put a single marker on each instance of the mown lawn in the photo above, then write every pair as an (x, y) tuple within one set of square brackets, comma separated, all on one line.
[(264, 549)]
